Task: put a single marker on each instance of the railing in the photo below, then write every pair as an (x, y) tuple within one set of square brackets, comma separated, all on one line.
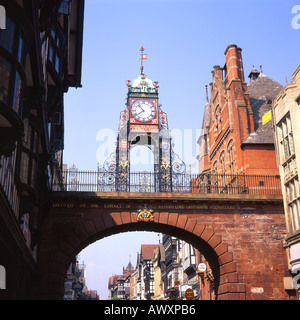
[(97, 181)]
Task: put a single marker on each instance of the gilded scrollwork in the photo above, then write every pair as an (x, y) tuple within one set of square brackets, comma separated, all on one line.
[(145, 214)]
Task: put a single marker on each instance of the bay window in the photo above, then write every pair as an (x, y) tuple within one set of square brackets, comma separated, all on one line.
[(29, 155), (56, 51), (5, 76), (286, 138), (12, 64)]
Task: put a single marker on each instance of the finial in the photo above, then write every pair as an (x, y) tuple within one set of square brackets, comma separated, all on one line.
[(261, 69), (207, 101), (143, 56)]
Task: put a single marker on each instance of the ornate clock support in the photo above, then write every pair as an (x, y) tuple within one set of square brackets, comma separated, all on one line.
[(143, 122)]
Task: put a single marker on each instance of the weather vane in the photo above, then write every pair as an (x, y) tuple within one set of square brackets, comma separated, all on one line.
[(143, 56)]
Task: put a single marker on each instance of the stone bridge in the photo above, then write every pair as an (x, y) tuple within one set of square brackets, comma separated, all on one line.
[(239, 235)]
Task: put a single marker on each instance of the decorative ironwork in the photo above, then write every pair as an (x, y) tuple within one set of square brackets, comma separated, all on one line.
[(73, 178), (178, 166), (108, 180), (145, 182), (106, 175)]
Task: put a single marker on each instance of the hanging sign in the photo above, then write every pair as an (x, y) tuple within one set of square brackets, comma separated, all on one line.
[(77, 286), (189, 294), (201, 267)]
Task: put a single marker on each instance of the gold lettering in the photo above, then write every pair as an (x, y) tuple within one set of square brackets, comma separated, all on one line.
[(222, 207), (195, 206), (113, 206), (62, 205), (179, 207)]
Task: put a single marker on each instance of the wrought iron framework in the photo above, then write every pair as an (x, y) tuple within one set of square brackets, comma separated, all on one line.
[(105, 179), (170, 174)]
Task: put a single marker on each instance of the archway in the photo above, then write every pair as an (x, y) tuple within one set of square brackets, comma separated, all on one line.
[(241, 239), (64, 240), (102, 263)]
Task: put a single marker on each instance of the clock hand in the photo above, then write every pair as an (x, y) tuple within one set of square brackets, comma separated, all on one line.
[(141, 111)]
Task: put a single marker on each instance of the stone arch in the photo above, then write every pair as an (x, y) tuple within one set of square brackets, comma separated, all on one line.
[(64, 240)]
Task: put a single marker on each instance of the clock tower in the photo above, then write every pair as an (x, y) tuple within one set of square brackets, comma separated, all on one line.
[(144, 123)]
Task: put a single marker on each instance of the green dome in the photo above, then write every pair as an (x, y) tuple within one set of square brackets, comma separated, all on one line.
[(142, 84)]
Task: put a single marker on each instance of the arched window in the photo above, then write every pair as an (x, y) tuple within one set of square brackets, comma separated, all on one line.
[(222, 162), (218, 120), (231, 156), (215, 167)]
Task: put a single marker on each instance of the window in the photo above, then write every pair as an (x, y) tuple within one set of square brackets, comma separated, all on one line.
[(215, 167), (225, 78), (5, 76), (214, 178), (20, 53), (29, 156), (293, 198), (16, 103), (286, 138), (218, 120), (11, 94), (222, 162), (12, 40), (24, 167), (56, 45), (11, 82), (7, 36), (65, 7), (231, 156)]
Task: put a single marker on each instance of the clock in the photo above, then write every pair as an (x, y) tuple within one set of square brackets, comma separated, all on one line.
[(143, 110)]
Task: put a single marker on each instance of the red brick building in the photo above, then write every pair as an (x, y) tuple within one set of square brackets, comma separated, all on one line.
[(234, 138)]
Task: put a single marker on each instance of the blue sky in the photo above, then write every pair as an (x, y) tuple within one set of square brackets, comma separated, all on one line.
[(184, 39)]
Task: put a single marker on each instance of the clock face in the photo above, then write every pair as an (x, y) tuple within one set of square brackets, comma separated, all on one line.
[(143, 110)]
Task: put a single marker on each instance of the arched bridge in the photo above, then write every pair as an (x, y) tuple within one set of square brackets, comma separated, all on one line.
[(240, 234)]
